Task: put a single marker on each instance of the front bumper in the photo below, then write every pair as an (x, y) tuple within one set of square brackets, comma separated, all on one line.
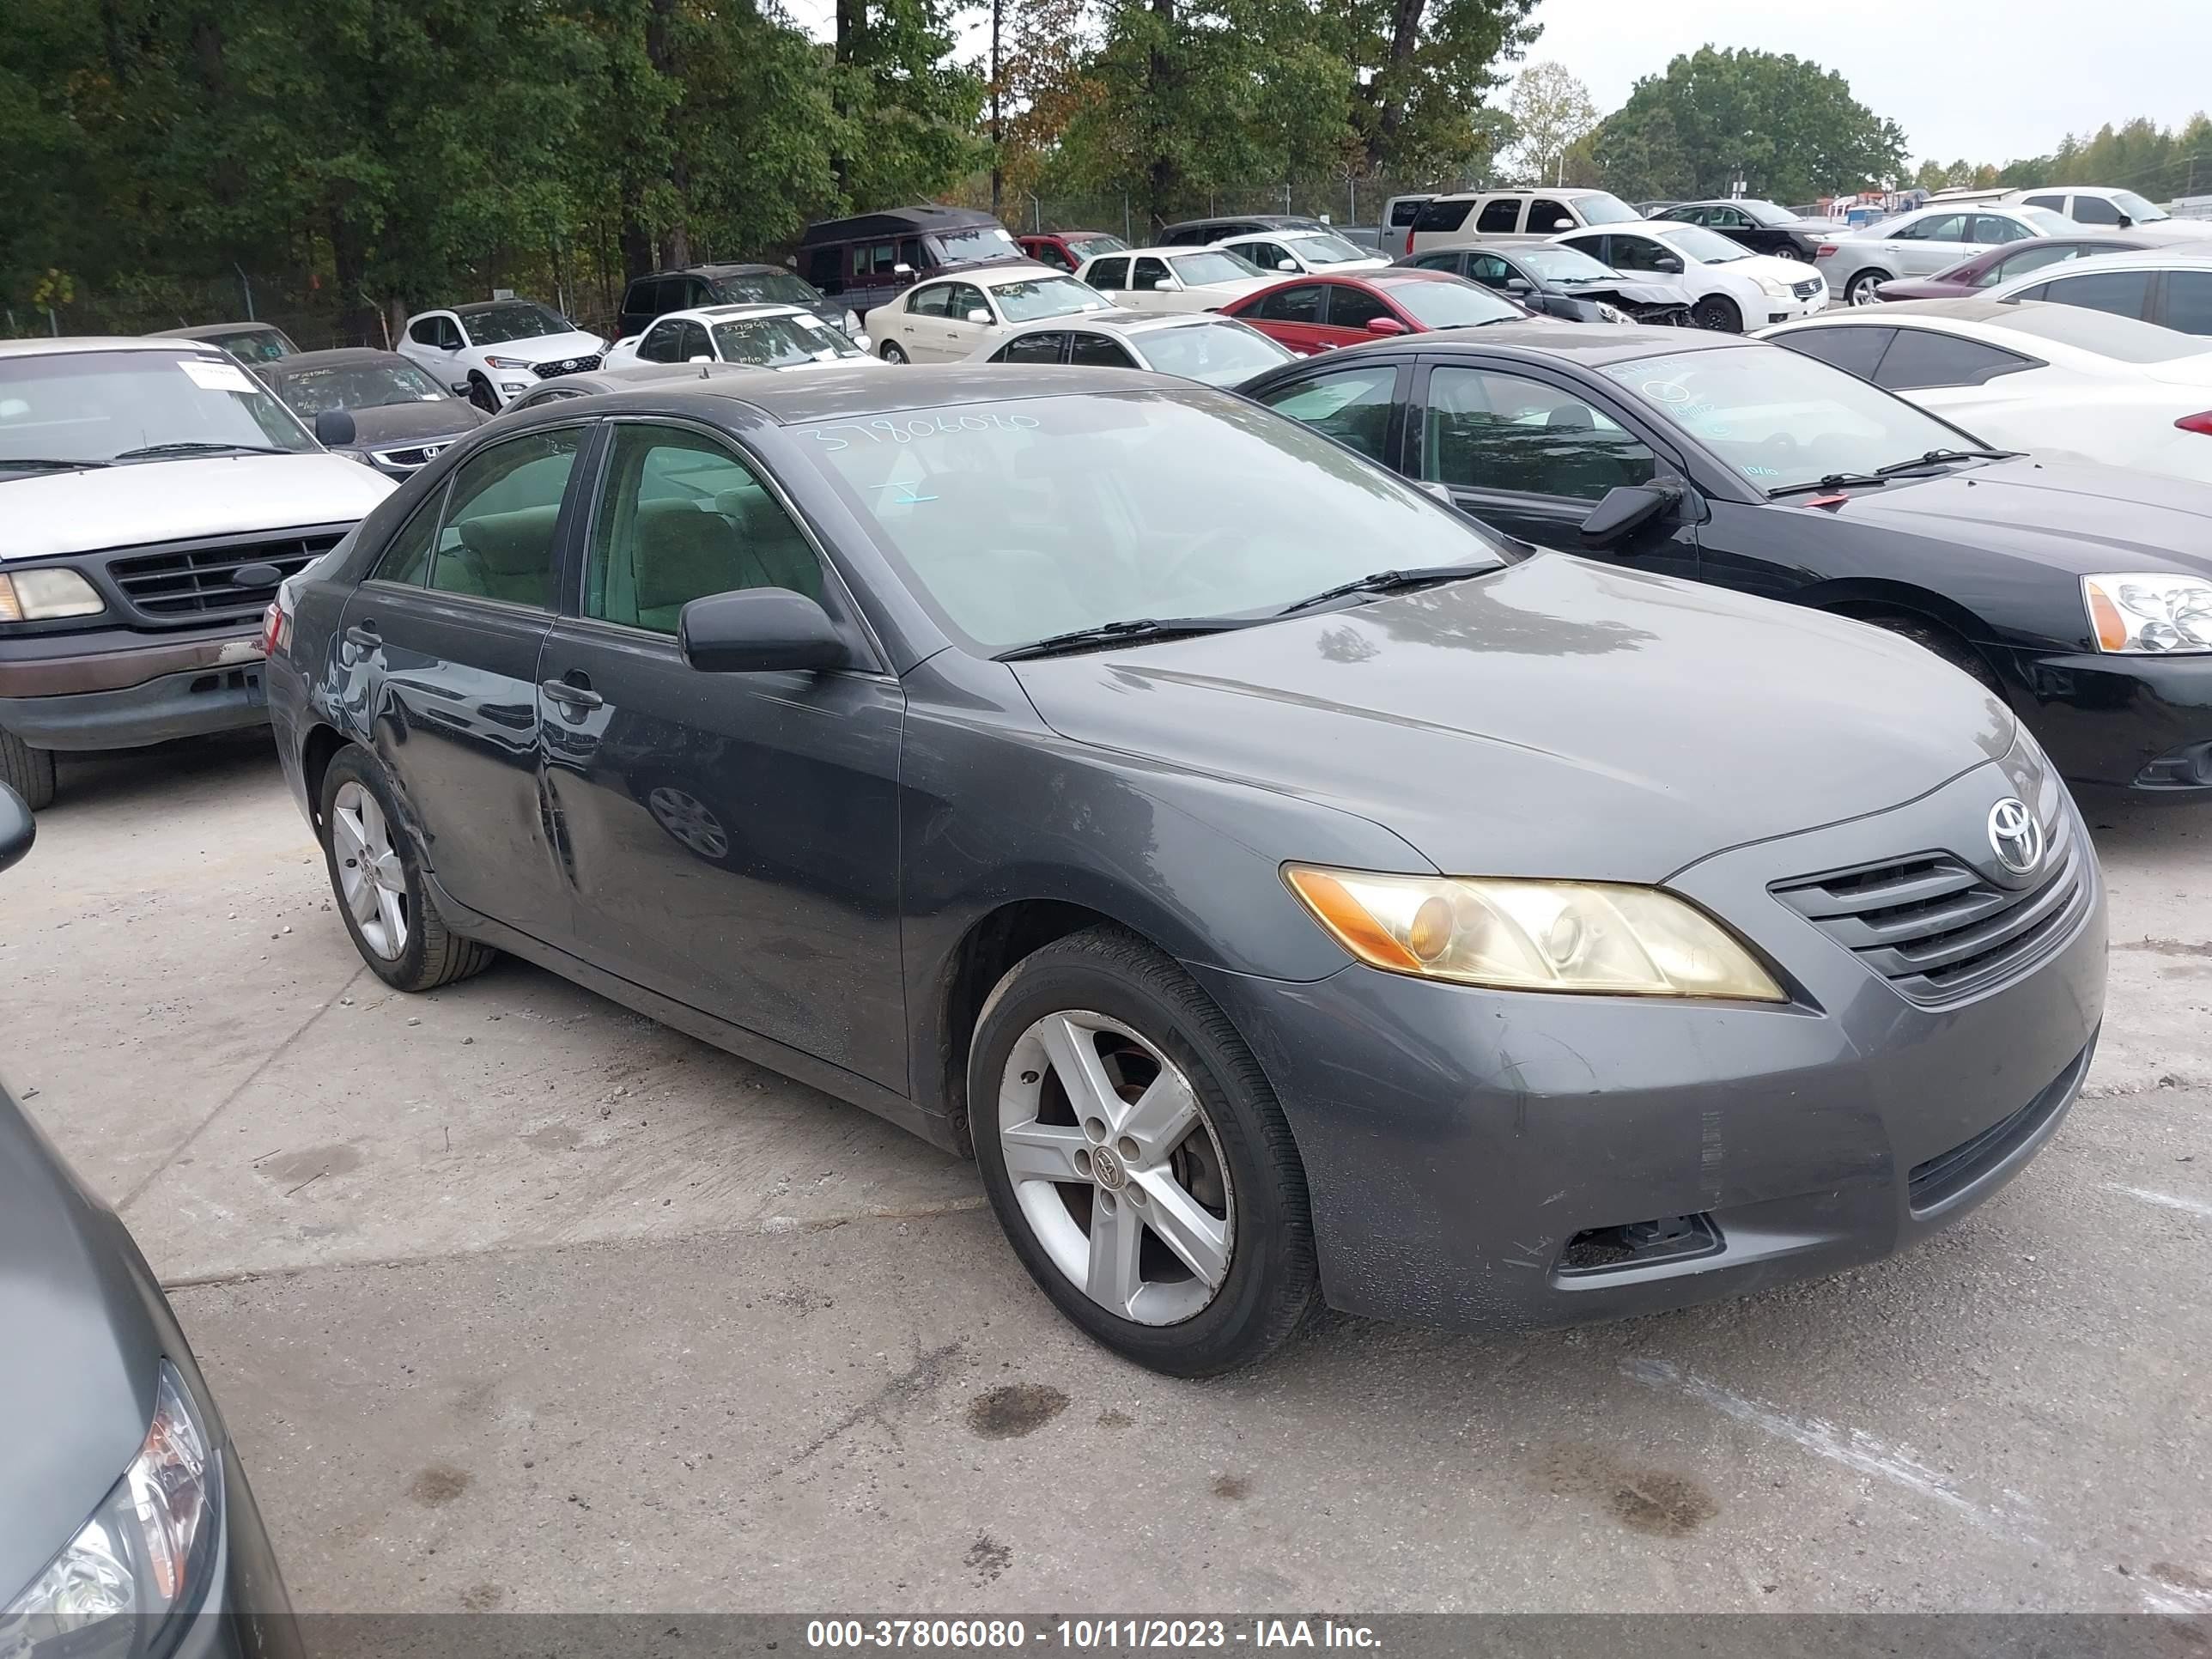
[(2142, 724), (120, 691), (1462, 1146)]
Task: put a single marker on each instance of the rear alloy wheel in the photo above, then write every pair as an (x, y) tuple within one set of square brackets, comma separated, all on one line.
[(1719, 314), (1137, 1158), (1860, 290), (388, 910), (29, 772), (891, 352)]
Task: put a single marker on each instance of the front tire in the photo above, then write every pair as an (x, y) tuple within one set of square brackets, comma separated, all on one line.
[(1933, 636), (29, 772), (377, 878), (481, 395), (1719, 314), (1859, 289), (1137, 1160), (892, 354)]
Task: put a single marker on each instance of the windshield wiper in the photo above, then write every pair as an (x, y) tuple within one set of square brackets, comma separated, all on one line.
[(1936, 457), (42, 464), (1134, 630), (1833, 481), (195, 446), (1387, 581)]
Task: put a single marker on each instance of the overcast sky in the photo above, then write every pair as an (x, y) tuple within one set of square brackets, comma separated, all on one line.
[(1987, 80)]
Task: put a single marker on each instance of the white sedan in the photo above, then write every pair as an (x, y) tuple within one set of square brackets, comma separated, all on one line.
[(495, 350), (1731, 288), (1307, 252), (2058, 381), (949, 318), (751, 335), (1199, 346), (1174, 278)]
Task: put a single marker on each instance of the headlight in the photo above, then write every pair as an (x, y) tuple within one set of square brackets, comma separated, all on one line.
[(2149, 614), (508, 363), (1771, 289), (43, 595), (1518, 935), (146, 1548), (1609, 313), (852, 322)]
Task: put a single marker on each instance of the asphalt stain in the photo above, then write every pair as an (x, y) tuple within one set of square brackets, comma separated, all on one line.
[(2165, 947), (1651, 1501), (1234, 1487), (1015, 1410), (1116, 1419), (987, 1558), (800, 1299), (483, 1598), (553, 1137), (290, 1168), (2181, 1577), (439, 1485)]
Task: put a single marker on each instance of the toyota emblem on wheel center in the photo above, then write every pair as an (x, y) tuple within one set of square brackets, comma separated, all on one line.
[(2015, 837)]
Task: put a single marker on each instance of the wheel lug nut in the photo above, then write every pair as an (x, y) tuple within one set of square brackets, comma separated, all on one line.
[(1106, 1203), (1083, 1163), (1136, 1195), (1095, 1128), (1127, 1148)]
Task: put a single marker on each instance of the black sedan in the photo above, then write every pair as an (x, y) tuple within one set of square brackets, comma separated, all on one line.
[(375, 406), (2080, 594), (1759, 226), (1564, 282), (1033, 757), (128, 1528)]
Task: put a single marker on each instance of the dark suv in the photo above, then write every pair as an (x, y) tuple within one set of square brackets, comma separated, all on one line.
[(872, 257), (1198, 233), (664, 291)]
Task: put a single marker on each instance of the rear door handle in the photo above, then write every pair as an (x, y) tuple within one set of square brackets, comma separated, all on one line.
[(574, 696)]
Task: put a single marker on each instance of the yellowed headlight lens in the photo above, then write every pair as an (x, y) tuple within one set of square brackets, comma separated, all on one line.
[(1596, 937), (41, 595)]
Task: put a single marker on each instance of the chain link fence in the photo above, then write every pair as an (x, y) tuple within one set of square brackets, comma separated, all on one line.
[(1347, 200)]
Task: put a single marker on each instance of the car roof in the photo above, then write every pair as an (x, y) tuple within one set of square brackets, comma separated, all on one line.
[(337, 357), (1565, 192), (893, 221), (861, 390), (1121, 321), (1046, 235), (1591, 345), (742, 268), (477, 307), (52, 345), (723, 313), (1245, 219), (213, 330)]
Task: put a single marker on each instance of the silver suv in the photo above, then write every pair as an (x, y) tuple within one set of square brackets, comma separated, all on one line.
[(1511, 216)]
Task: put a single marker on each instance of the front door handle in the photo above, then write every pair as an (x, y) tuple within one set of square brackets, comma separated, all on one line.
[(364, 637), (572, 697)]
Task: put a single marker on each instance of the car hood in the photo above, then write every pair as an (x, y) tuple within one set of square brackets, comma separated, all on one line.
[(1772, 266), (2076, 516), (1924, 287), (1558, 718), (548, 348), (78, 1372), (437, 418), (49, 513), (1644, 290), (1222, 293)]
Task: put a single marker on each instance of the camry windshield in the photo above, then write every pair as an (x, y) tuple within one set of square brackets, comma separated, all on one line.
[(1219, 353), (1204, 269), (765, 288), (2143, 212), (1555, 262), (1781, 418), (511, 319), (1602, 208), (780, 341), (1450, 304), (357, 386), (1022, 519), (1707, 247), (1326, 250), (100, 406), (1046, 296)]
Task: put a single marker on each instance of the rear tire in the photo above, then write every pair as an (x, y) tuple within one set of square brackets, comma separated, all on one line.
[(1934, 637), (401, 935), (892, 353), (1719, 314), (1192, 1163), (29, 772)]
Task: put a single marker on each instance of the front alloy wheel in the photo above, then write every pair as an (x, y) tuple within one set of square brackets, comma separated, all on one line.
[(371, 880)]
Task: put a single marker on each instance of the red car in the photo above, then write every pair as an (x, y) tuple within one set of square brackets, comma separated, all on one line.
[(1312, 315), (2003, 262), (1064, 250)]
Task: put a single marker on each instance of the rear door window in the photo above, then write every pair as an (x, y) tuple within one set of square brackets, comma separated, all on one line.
[(1045, 348), (1856, 350), (2188, 301), (1442, 214), (1109, 274), (1921, 357), (2122, 293), (1501, 216)]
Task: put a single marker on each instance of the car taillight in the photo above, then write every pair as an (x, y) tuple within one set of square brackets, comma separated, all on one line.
[(2196, 423), (1828, 251), (1409, 238), (273, 623)]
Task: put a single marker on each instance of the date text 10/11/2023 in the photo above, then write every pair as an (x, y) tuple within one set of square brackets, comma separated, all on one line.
[(986, 1635)]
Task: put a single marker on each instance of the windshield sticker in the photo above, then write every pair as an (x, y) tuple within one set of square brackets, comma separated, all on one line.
[(214, 377), (912, 429)]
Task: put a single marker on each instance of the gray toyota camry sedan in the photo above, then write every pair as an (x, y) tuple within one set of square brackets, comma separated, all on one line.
[(1287, 892)]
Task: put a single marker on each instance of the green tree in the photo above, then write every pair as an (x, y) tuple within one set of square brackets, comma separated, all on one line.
[(1552, 112), (1423, 74)]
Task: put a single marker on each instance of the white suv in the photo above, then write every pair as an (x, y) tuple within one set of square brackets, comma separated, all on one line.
[(1511, 216), (2117, 210), (497, 350)]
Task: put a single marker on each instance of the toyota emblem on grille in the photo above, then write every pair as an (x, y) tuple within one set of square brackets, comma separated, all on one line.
[(2015, 837)]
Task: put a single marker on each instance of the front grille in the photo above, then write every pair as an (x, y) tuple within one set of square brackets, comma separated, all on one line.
[(1947, 1174), (553, 371), (1806, 290), (409, 456), (191, 583), (1936, 929)]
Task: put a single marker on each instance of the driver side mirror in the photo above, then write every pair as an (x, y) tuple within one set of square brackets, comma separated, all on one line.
[(977, 314), (1563, 224), (1286, 264), (1625, 509), (1670, 263), (335, 429), (18, 830), (701, 358), (759, 630), (2126, 222), (901, 271), (1519, 285), (1385, 325)]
